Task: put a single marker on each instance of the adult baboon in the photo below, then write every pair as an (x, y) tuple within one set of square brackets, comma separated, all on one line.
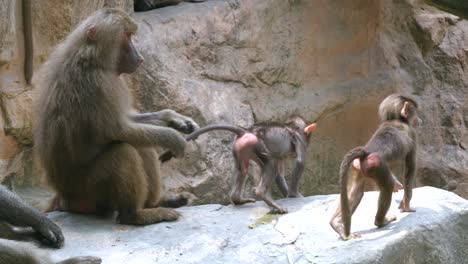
[(394, 140), (96, 150), (13, 252), (15, 212), (267, 144)]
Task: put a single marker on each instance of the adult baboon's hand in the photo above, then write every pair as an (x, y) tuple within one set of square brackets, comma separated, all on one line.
[(51, 232), (176, 143), (183, 124)]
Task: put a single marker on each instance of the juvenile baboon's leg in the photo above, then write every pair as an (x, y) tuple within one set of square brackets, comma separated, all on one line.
[(280, 180), (354, 196), (129, 188), (385, 180), (268, 173), (242, 168), (396, 187), (298, 170), (410, 170)]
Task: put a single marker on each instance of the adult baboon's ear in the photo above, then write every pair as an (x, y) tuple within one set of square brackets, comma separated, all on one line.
[(404, 110), (91, 33), (308, 129)]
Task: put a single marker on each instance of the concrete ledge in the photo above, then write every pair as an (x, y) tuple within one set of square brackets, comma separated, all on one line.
[(436, 233)]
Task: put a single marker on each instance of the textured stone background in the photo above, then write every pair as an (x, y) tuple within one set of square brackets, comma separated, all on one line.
[(246, 61)]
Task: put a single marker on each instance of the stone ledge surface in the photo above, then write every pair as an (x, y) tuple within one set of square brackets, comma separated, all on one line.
[(436, 233)]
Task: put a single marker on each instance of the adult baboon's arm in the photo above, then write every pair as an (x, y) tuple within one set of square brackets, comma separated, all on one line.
[(166, 117), (144, 135), (16, 212)]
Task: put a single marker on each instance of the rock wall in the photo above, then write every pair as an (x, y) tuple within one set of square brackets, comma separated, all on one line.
[(246, 61)]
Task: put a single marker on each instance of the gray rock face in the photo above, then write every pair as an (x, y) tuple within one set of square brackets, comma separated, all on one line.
[(436, 233), (249, 61)]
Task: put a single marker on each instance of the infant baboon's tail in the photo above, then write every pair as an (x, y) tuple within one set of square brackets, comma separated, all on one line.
[(239, 131)]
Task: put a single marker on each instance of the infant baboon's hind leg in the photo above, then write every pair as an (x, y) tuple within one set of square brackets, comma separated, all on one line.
[(242, 168), (267, 177), (129, 189)]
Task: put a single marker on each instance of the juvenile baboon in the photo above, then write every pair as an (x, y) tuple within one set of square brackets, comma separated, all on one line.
[(267, 144), (15, 212), (96, 150), (144, 5), (394, 140)]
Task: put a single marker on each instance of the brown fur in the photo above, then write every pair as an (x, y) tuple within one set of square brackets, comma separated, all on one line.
[(394, 140), (96, 150)]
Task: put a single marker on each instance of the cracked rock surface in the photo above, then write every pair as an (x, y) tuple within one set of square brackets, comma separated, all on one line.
[(436, 233)]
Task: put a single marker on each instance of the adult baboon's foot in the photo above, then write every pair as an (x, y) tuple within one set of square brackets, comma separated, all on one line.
[(175, 201), (149, 216)]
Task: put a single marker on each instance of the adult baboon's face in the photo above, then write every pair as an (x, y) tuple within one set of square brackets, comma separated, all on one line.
[(130, 58)]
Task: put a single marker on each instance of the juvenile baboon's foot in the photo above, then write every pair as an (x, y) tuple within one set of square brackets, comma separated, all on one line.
[(279, 210), (397, 186), (338, 226), (295, 195), (81, 260), (354, 235), (405, 207), (240, 201), (387, 220), (149, 216)]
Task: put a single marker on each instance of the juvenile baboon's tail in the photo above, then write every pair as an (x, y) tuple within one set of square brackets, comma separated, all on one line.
[(355, 153), (239, 131)]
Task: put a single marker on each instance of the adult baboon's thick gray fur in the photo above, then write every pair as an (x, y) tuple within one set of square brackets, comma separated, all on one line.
[(15, 212), (97, 151), (12, 252)]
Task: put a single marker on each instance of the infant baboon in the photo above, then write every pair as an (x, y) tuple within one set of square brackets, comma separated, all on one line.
[(394, 140), (97, 151), (267, 144), (15, 212)]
